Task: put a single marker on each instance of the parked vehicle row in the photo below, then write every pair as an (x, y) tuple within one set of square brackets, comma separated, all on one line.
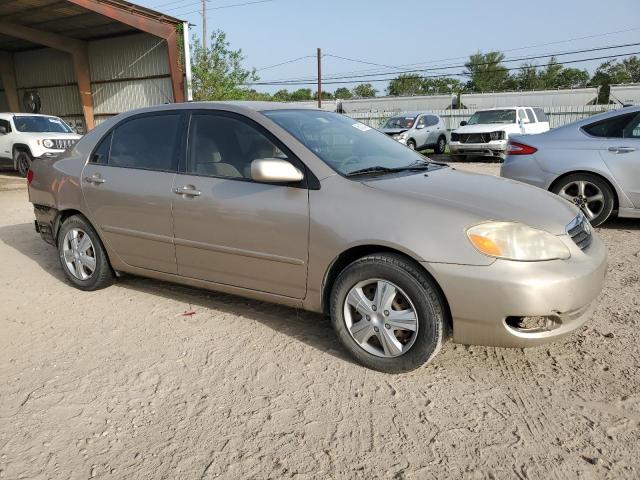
[(314, 210), (418, 131), (25, 137), (487, 132), (593, 163)]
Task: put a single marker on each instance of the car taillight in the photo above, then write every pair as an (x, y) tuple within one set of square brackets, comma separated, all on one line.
[(516, 148), (29, 176)]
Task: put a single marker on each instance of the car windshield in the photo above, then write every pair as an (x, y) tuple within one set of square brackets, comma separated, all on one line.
[(347, 146), (41, 124), (399, 122), (493, 116)]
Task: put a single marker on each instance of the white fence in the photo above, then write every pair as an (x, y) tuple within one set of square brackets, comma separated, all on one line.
[(558, 116)]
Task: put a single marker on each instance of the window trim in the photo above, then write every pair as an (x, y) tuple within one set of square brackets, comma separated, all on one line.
[(604, 120), (309, 182), (180, 147)]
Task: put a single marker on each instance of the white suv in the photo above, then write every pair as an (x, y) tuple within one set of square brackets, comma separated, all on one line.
[(487, 131), (25, 137)]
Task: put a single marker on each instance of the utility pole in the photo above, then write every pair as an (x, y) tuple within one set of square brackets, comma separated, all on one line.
[(204, 24), (319, 78)]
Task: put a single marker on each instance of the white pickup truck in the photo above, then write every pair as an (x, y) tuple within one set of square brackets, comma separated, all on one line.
[(26, 136), (487, 132)]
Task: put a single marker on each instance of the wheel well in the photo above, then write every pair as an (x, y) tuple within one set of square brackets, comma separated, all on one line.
[(62, 216), (349, 256), (587, 172), (19, 147)]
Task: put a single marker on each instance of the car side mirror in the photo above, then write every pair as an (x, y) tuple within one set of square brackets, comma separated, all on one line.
[(463, 123), (275, 170), (3, 130), (420, 127)]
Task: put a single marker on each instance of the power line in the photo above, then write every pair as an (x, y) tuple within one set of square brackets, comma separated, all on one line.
[(226, 6), (398, 67), (463, 74), (447, 67), (285, 63)]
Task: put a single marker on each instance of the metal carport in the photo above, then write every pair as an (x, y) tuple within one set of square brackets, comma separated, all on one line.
[(90, 59)]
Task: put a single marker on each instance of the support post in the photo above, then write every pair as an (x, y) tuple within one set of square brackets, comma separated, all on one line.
[(319, 78), (78, 51), (9, 83)]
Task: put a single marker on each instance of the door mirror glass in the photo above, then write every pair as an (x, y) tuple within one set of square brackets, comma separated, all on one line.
[(3, 130), (420, 126), (463, 123), (274, 170)]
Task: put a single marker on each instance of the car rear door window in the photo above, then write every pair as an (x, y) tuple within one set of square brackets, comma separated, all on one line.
[(532, 117), (150, 142), (432, 120), (542, 117), (621, 126), (222, 145), (101, 153)]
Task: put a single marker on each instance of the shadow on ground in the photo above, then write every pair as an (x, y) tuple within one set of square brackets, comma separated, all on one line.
[(311, 328)]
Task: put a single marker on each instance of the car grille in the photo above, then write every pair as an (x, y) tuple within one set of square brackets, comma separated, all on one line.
[(63, 144), (580, 231), (484, 137), (474, 137)]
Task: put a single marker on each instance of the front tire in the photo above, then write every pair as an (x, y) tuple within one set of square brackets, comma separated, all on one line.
[(590, 193), (388, 313), (22, 161), (82, 256)]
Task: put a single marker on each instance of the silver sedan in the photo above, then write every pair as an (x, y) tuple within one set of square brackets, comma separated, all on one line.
[(593, 163)]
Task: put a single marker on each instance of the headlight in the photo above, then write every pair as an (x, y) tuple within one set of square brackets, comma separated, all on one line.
[(47, 143), (499, 135), (516, 241)]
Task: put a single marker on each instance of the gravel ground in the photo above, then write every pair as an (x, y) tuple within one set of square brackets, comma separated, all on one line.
[(121, 383)]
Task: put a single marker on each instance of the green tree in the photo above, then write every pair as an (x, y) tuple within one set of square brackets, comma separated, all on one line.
[(325, 95), (573, 78), (218, 73), (439, 85), (301, 94), (364, 90), (282, 95), (406, 85), (487, 74), (615, 72), (343, 93), (528, 78)]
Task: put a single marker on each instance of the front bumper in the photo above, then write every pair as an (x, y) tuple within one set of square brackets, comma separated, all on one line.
[(495, 148), (485, 299)]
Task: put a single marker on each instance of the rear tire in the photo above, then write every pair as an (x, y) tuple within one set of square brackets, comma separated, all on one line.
[(440, 146), (84, 260), (411, 144), (22, 160), (590, 192), (417, 304)]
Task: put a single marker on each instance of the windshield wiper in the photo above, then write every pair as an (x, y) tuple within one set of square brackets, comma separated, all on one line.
[(381, 169)]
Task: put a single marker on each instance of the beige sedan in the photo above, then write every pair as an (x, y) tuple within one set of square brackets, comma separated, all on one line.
[(314, 210)]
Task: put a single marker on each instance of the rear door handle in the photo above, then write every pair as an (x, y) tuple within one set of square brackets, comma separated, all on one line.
[(622, 149), (188, 191), (97, 179)]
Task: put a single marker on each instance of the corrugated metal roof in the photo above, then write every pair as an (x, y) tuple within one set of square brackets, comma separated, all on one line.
[(68, 19)]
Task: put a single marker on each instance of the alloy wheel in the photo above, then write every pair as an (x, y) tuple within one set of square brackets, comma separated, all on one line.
[(381, 318), (79, 254), (585, 195)]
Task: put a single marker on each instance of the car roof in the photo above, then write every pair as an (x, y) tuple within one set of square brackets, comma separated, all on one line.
[(413, 113)]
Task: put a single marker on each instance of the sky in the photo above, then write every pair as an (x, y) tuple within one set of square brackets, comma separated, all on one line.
[(422, 34)]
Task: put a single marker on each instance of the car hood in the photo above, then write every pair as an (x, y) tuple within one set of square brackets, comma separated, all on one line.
[(393, 131), (487, 127), (53, 135), (484, 197)]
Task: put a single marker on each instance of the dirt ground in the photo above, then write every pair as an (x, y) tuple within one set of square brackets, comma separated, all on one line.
[(119, 383)]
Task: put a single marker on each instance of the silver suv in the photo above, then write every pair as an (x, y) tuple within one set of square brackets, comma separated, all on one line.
[(417, 130)]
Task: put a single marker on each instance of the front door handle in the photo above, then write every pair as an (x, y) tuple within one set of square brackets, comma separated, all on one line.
[(622, 149), (95, 178), (188, 191)]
